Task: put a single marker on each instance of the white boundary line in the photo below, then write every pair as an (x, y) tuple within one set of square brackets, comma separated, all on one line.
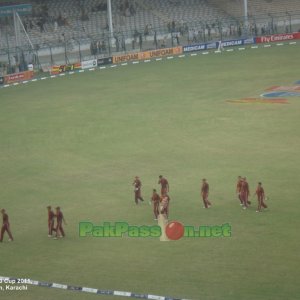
[(149, 60)]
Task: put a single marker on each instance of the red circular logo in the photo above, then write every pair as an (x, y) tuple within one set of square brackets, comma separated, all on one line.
[(174, 230)]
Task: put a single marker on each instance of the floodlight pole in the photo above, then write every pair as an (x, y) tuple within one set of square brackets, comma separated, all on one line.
[(17, 36), (246, 15), (110, 22), (8, 51), (17, 29)]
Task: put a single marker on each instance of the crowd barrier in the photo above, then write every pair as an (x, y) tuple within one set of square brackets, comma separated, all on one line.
[(144, 55)]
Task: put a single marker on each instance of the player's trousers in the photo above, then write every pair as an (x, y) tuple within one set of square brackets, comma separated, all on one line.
[(205, 200), (5, 227), (240, 198), (261, 203), (138, 196), (156, 209), (245, 199), (59, 229), (51, 227)]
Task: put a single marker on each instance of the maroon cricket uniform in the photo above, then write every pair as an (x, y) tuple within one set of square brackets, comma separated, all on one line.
[(155, 199), (137, 190), (260, 197), (245, 193), (51, 217), (238, 189), (164, 185), (165, 201), (248, 201), (59, 220), (5, 227), (204, 193)]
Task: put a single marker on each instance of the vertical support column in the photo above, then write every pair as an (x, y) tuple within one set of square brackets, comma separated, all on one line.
[(246, 17), (110, 23)]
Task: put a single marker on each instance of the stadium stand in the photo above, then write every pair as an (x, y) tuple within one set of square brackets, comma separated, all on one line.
[(66, 19), (258, 8), (82, 25)]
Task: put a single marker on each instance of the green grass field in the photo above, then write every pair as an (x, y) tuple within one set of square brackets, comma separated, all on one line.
[(79, 140)]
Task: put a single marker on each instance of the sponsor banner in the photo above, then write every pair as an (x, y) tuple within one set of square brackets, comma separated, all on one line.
[(211, 45), (238, 42), (197, 47), (104, 61), (21, 9), (89, 64), (278, 37), (249, 41), (232, 43), (214, 45), (1, 79), (64, 68), (11, 78), (126, 57), (147, 54), (161, 52)]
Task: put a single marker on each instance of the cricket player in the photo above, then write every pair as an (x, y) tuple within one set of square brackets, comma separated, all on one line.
[(204, 193), (51, 217), (155, 200), (137, 190), (59, 221), (238, 188), (248, 201), (162, 221), (165, 204), (164, 185), (260, 197), (245, 193), (5, 226)]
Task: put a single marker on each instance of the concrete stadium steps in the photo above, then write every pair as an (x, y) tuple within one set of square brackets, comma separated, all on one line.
[(158, 13), (257, 7)]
